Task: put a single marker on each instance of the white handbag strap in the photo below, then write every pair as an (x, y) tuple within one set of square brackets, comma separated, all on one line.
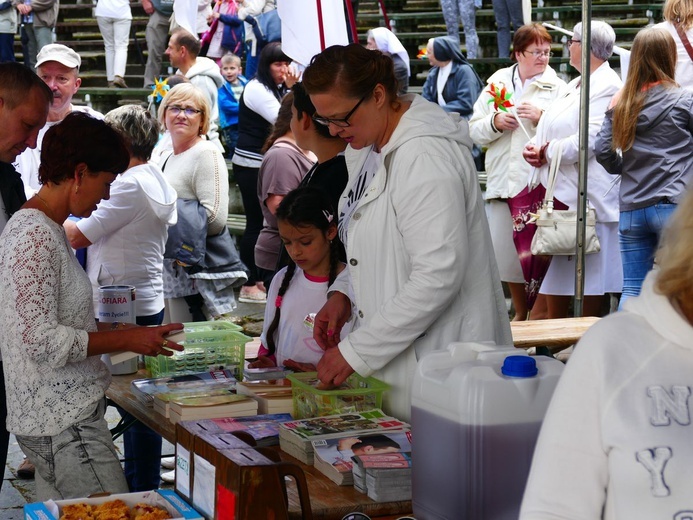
[(553, 176)]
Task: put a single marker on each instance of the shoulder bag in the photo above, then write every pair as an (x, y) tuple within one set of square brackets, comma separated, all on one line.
[(556, 229)]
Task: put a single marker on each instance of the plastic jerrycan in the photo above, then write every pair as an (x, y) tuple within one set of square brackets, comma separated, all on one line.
[(476, 414)]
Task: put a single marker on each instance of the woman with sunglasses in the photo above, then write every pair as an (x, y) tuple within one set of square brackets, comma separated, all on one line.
[(559, 129), (532, 86), (418, 248)]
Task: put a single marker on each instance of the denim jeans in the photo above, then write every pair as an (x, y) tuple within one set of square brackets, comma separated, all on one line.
[(77, 462), (639, 231), (507, 11)]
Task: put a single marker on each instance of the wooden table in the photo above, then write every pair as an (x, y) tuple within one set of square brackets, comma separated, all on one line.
[(328, 501), (556, 334)]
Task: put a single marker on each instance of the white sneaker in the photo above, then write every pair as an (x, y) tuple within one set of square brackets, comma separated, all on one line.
[(169, 477), (168, 462)]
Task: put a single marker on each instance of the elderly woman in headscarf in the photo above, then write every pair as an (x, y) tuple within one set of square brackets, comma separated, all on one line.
[(385, 41), (452, 83)]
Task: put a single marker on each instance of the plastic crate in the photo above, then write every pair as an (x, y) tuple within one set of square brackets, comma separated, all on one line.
[(357, 394), (208, 329), (206, 347)]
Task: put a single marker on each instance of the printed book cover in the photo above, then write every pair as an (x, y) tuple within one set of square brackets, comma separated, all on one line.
[(145, 389)]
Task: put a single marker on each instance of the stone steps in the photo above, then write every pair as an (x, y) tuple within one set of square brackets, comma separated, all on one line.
[(414, 21)]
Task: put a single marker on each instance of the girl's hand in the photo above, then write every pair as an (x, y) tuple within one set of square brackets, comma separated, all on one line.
[(299, 367), (262, 362), (214, 16)]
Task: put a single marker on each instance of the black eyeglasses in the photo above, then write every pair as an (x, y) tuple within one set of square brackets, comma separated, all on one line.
[(342, 122), (188, 111), (572, 41)]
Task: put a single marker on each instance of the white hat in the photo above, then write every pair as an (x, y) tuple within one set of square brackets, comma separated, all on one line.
[(59, 53)]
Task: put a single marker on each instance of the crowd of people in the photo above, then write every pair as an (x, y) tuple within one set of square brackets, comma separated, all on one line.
[(367, 234)]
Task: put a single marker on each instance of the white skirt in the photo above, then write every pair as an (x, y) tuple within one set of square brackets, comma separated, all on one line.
[(603, 270), (500, 224)]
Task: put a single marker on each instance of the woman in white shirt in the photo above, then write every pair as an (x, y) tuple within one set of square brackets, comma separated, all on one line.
[(114, 18)]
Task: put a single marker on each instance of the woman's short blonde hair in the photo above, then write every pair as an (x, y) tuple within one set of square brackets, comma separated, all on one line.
[(675, 255), (189, 95)]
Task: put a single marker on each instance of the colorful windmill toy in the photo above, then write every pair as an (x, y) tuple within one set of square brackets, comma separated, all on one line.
[(160, 89), (500, 97)]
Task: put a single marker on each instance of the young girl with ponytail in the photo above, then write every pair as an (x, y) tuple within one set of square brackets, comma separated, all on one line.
[(308, 228)]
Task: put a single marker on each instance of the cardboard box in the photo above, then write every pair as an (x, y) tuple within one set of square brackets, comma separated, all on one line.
[(186, 433), (164, 498)]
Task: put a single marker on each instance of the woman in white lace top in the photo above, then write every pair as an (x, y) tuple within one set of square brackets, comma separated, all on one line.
[(51, 343)]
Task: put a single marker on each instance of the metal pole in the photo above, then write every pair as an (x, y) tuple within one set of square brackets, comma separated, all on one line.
[(582, 156)]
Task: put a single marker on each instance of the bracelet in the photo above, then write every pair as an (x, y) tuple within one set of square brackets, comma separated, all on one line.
[(117, 325), (493, 124), (542, 152)]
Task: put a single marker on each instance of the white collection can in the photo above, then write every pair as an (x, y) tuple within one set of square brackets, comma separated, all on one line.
[(117, 303)]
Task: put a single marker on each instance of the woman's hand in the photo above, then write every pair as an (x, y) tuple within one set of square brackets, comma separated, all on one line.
[(299, 367), (505, 121), (528, 111), (330, 320), (150, 341), (333, 368), (532, 154), (292, 77), (215, 15), (262, 362), (615, 99)]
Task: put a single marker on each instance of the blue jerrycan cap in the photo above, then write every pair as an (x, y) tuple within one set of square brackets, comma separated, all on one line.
[(519, 366)]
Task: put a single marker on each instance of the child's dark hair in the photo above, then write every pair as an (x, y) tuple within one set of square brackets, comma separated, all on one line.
[(302, 207)]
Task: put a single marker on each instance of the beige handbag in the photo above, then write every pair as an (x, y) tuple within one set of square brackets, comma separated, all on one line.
[(557, 229)]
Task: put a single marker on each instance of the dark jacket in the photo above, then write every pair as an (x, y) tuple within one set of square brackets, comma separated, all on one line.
[(463, 85), (233, 38), (11, 189)]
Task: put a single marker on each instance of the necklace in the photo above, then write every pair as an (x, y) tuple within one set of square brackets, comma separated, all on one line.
[(50, 211)]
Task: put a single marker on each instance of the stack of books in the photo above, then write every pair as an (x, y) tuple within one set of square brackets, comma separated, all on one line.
[(188, 408), (188, 384), (295, 437), (384, 477), (272, 396), (334, 457)]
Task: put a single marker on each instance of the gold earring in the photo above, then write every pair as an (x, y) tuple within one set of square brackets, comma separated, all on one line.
[(77, 189)]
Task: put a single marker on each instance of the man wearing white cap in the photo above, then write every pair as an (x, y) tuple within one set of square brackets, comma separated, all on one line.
[(58, 66)]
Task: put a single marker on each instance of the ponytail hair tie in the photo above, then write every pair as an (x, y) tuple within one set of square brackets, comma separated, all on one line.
[(278, 302)]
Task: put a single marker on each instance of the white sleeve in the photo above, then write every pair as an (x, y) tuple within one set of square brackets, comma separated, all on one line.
[(211, 187), (261, 101), (569, 474), (112, 214)]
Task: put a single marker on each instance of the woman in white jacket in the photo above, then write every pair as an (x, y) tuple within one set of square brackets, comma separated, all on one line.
[(533, 86), (559, 125), (412, 220)]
